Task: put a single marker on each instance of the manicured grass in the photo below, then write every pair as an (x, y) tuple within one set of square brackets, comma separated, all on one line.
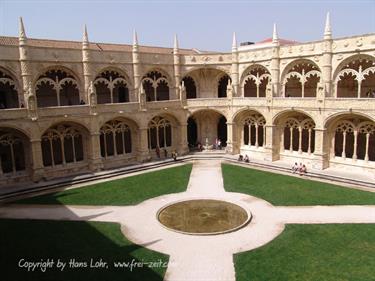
[(287, 190), (34, 240), (127, 191), (312, 253)]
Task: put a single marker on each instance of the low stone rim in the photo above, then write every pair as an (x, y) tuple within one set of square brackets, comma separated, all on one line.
[(246, 222)]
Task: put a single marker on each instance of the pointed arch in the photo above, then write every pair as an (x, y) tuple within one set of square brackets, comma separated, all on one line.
[(156, 86), (112, 86), (300, 78), (64, 144), (57, 86), (355, 78), (9, 90), (254, 81)]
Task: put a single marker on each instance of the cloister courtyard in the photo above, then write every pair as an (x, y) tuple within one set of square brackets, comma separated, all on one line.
[(300, 229)]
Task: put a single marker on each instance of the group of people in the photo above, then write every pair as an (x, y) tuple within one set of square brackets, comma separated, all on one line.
[(246, 159), (158, 153), (301, 169), (217, 144)]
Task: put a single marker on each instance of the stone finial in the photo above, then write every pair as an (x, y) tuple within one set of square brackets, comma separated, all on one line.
[(175, 43), (85, 37), (234, 42), (275, 37), (22, 33), (327, 29), (135, 38)]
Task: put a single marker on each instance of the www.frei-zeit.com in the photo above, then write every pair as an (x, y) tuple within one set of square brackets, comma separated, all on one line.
[(44, 265)]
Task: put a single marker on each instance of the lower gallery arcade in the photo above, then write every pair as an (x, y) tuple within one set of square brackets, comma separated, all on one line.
[(348, 141)]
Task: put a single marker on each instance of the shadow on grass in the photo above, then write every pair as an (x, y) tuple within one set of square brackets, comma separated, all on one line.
[(79, 245)]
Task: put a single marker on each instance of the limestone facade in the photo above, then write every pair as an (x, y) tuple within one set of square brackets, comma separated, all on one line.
[(74, 107)]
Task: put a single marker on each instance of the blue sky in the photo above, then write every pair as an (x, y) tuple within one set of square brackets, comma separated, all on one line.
[(206, 25)]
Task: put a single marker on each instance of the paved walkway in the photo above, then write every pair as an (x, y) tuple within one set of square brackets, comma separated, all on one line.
[(199, 258)]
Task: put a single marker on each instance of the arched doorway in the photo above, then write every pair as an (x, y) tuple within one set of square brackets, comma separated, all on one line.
[(210, 126), (222, 131), (192, 133)]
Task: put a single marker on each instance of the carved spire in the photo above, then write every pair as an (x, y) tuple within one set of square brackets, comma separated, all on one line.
[(327, 29), (85, 37), (175, 43), (234, 42), (135, 38), (22, 33), (275, 37)]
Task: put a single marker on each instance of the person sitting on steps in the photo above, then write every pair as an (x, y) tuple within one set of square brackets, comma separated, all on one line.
[(247, 159), (295, 168)]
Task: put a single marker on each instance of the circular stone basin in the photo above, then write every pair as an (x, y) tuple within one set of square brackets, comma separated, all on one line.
[(203, 217)]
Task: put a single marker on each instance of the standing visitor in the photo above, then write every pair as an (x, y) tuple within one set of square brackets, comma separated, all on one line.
[(157, 150)]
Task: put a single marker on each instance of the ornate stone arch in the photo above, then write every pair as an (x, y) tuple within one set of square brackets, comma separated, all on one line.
[(302, 73), (60, 81), (355, 77), (64, 144), (331, 119), (351, 136), (276, 118), (117, 137), (12, 93), (215, 67), (157, 85), (347, 60), (258, 74), (119, 70), (112, 85), (161, 132), (14, 150)]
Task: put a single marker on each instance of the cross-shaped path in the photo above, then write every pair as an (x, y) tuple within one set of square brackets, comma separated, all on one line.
[(194, 257)]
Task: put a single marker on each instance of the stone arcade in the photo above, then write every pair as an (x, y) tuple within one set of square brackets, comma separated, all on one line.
[(74, 107)]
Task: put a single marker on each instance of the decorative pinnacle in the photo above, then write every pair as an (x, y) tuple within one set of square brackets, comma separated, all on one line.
[(22, 33), (234, 42), (275, 37), (327, 29), (85, 37), (175, 44), (135, 38)]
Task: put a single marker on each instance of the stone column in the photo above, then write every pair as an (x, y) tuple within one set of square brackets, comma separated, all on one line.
[(143, 151), (183, 147), (229, 148), (321, 151), (272, 143), (36, 160), (94, 154), (275, 63), (275, 72), (177, 70)]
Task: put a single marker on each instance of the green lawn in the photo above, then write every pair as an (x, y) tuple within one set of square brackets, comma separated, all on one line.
[(127, 191), (312, 253), (34, 240), (288, 190)]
